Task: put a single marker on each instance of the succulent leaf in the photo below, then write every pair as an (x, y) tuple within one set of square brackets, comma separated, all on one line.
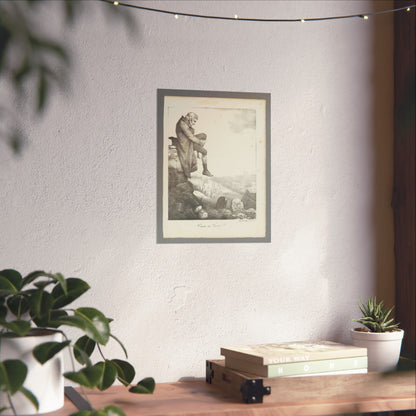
[(375, 318)]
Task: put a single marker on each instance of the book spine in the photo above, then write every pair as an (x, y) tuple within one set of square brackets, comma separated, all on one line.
[(309, 367), (313, 367), (260, 358), (333, 373), (314, 356)]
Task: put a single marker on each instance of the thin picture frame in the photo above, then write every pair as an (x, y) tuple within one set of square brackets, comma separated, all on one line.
[(213, 167)]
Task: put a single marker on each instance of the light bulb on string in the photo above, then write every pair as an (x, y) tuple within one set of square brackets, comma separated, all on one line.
[(249, 19)]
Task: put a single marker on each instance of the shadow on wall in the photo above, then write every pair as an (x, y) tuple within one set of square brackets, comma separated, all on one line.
[(363, 248), (403, 202), (382, 142)]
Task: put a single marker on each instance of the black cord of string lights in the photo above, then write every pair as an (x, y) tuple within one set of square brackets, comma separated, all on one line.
[(249, 19)]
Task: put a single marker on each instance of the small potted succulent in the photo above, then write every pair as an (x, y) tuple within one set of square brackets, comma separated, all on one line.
[(380, 335), (34, 310)]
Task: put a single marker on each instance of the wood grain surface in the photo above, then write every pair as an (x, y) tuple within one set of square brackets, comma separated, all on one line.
[(300, 396)]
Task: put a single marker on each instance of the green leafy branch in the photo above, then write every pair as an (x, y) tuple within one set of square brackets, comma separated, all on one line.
[(39, 62), (39, 300)]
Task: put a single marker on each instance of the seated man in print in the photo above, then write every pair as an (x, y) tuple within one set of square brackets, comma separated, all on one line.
[(187, 143)]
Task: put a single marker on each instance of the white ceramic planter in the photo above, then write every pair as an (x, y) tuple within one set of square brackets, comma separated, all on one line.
[(44, 381), (383, 348)]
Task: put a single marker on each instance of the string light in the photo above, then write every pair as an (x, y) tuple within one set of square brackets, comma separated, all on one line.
[(249, 19)]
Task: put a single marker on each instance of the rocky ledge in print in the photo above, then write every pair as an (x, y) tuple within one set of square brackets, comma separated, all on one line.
[(204, 197)]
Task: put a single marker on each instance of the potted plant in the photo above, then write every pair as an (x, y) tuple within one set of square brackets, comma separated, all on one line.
[(380, 335), (34, 310)]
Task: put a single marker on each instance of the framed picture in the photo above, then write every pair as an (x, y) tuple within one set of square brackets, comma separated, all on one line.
[(213, 167)]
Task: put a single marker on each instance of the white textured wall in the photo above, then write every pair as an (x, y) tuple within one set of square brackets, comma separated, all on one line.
[(82, 198)]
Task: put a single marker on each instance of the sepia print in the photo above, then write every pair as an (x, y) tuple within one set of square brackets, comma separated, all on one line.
[(213, 167)]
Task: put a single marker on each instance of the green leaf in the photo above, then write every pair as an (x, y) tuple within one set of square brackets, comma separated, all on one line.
[(83, 413), (40, 304), (54, 277), (110, 411), (88, 376), (145, 386), (18, 305), (83, 349), (12, 375), (16, 139), (62, 281), (89, 320), (3, 312), (31, 277), (44, 283), (20, 73), (18, 327), (55, 316), (75, 321), (105, 411), (43, 89), (13, 276), (75, 288), (388, 313), (98, 328), (375, 318), (125, 371), (70, 11), (7, 287), (82, 357), (45, 351), (50, 45), (108, 374), (30, 396)]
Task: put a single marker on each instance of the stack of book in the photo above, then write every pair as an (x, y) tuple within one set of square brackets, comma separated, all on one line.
[(296, 359)]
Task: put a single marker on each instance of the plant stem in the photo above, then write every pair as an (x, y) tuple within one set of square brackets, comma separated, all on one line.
[(101, 353), (73, 369), (11, 404), (19, 310)]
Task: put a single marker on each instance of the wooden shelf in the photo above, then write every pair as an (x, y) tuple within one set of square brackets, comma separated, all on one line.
[(298, 396)]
